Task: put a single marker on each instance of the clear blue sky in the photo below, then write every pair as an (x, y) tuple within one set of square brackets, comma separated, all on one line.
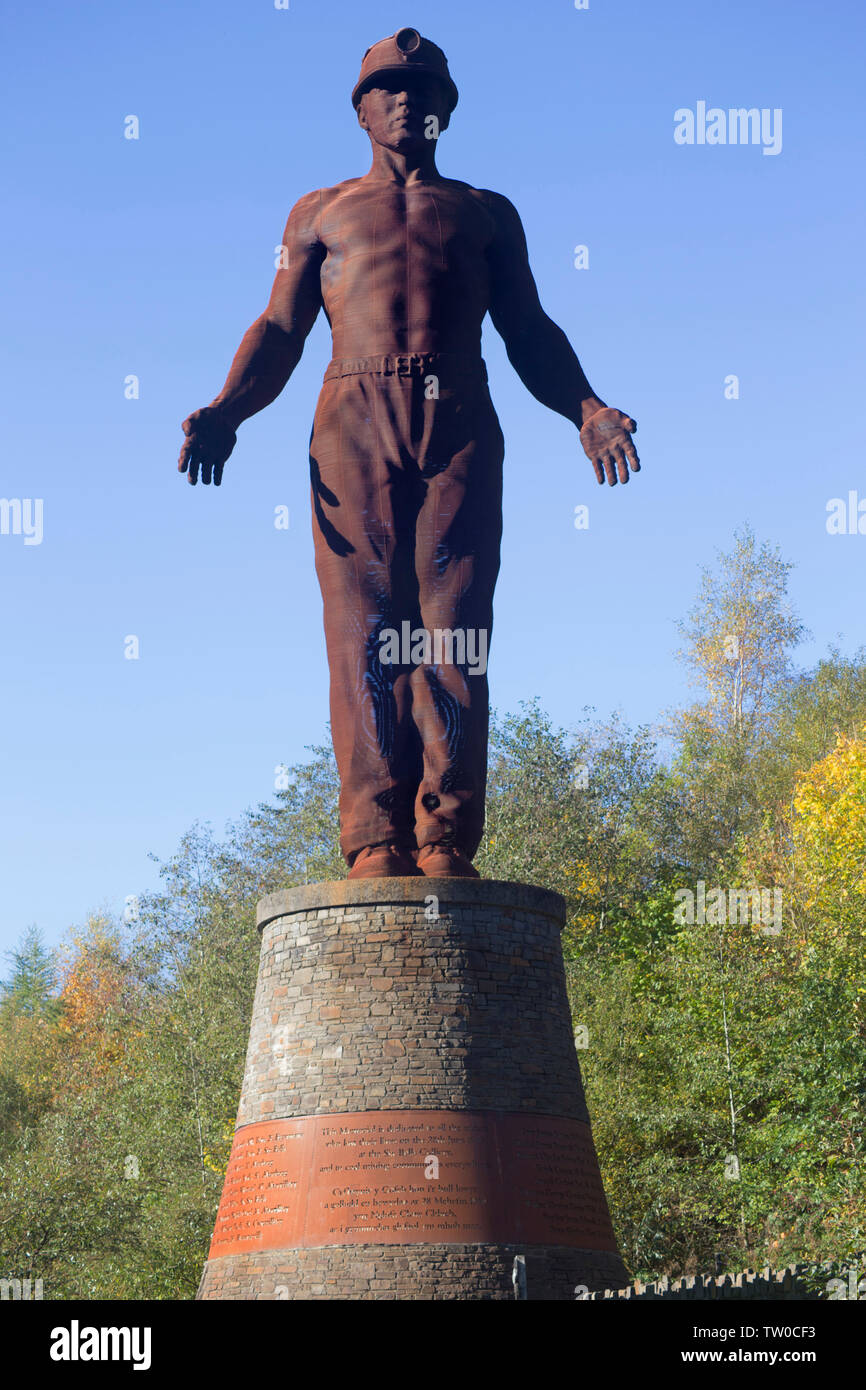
[(152, 257)]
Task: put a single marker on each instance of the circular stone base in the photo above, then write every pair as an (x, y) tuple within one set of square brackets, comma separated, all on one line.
[(464, 1273), (412, 1114)]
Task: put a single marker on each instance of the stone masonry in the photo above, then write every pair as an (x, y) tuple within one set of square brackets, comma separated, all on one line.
[(411, 1011)]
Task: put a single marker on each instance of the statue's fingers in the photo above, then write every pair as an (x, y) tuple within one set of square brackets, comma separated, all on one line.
[(218, 473), (598, 469), (631, 455), (610, 468), (622, 466), (206, 469), (183, 460), (192, 470)]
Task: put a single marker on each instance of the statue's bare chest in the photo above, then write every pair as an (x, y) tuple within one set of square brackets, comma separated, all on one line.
[(392, 231)]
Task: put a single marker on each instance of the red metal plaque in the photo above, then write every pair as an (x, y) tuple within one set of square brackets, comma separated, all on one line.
[(398, 1177)]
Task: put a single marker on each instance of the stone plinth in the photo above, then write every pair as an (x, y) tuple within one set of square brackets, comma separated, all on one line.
[(412, 1114)]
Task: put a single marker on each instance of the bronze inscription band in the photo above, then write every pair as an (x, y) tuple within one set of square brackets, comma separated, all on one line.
[(398, 1177)]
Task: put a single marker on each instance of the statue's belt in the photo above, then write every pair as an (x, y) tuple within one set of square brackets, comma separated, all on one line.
[(454, 364)]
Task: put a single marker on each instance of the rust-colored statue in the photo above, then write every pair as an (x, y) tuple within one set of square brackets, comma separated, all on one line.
[(406, 456)]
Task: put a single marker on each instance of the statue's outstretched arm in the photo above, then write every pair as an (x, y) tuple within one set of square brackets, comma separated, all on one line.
[(268, 354), (543, 357)]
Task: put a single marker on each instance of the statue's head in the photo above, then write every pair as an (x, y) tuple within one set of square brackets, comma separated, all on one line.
[(404, 81)]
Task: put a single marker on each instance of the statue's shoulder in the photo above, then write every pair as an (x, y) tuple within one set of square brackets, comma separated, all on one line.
[(312, 204), (322, 197), (468, 190), (496, 205)]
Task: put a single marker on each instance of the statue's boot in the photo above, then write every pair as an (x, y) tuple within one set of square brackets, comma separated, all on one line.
[(383, 861), (445, 861)]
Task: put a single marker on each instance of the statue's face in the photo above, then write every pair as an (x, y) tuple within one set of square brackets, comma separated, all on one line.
[(394, 112)]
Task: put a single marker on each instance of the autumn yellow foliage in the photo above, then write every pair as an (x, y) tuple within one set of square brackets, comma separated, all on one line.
[(829, 851)]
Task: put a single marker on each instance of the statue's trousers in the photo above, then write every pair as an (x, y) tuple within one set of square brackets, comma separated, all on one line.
[(406, 471)]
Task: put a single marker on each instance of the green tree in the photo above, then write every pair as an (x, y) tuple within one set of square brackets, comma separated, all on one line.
[(739, 639), (31, 988)]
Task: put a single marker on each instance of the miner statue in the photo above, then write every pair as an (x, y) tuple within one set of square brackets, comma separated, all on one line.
[(406, 456)]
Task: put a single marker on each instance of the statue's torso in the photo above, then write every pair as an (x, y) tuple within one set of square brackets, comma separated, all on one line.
[(405, 267)]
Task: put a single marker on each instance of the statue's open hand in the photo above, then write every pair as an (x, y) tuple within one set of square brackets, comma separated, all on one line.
[(607, 441), (209, 442)]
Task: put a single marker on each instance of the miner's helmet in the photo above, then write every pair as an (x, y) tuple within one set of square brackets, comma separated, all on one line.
[(404, 51)]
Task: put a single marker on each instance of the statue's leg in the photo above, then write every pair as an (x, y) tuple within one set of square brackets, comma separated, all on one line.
[(366, 494), (457, 538)]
